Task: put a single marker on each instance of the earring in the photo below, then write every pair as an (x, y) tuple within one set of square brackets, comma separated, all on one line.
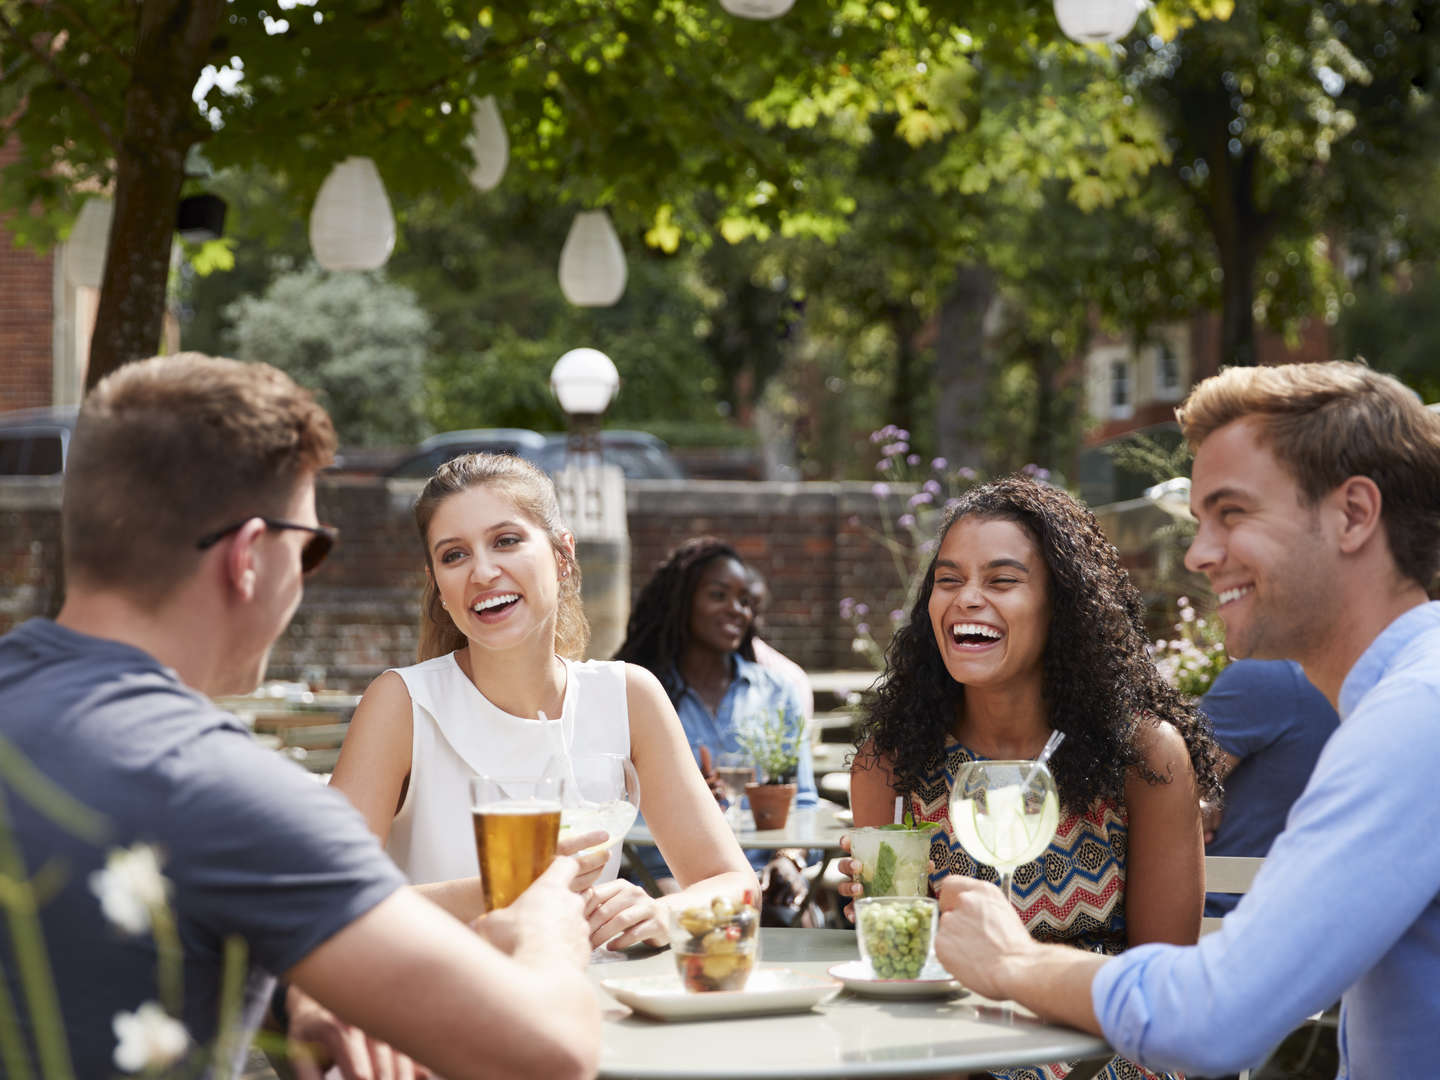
[(444, 605)]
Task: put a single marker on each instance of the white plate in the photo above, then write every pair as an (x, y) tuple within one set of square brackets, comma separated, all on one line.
[(934, 981), (770, 990)]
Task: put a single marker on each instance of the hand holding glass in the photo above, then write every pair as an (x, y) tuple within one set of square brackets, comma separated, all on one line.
[(1004, 813), (605, 795), (517, 821)]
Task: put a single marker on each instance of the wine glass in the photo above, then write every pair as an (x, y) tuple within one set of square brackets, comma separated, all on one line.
[(1004, 813), (603, 793), (734, 770)]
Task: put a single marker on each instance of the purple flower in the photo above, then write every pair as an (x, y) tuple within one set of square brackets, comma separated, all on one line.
[(913, 459), (862, 609), (920, 498), (862, 628), (847, 607), (897, 616), (939, 464), (950, 504), (928, 546), (906, 521), (882, 465), (854, 521), (901, 433), (932, 486), (880, 490), (967, 473)]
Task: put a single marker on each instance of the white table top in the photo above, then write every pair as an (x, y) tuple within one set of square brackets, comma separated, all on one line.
[(847, 1036), (813, 827)]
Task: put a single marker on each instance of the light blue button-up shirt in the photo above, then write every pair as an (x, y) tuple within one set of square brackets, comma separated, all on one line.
[(1347, 902), (753, 690)]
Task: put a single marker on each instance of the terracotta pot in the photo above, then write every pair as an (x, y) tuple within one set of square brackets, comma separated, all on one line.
[(770, 803)]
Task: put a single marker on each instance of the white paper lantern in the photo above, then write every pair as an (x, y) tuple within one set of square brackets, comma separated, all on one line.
[(592, 262), (757, 9), (88, 242), (489, 144), (351, 226), (1093, 21), (584, 380)]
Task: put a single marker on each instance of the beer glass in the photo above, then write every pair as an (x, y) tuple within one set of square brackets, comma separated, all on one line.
[(517, 821)]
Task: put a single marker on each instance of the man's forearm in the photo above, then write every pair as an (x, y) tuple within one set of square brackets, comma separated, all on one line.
[(1054, 982)]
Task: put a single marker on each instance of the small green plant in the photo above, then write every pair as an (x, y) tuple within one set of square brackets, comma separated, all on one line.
[(772, 739)]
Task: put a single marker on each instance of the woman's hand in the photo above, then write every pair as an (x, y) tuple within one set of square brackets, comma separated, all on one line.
[(591, 863), (621, 914), (712, 778), (852, 888), (317, 1038)]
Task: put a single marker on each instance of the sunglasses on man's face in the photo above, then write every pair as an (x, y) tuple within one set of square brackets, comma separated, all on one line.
[(322, 539)]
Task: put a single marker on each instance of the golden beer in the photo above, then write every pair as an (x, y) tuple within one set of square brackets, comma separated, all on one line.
[(515, 841)]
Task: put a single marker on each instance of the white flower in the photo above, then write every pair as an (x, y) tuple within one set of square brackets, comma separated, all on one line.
[(130, 887), (149, 1038)]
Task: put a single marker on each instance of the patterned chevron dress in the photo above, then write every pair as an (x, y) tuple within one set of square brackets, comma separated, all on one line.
[(1074, 893)]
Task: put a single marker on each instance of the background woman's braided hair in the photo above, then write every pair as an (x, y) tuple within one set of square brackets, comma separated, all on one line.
[(659, 627), (1099, 682)]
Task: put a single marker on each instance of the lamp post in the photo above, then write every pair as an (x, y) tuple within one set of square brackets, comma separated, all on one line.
[(1096, 21), (592, 495)]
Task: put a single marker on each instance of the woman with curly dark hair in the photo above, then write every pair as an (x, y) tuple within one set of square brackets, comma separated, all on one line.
[(1026, 623)]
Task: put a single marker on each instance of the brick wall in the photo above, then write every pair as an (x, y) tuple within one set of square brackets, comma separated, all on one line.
[(814, 542), (26, 320)]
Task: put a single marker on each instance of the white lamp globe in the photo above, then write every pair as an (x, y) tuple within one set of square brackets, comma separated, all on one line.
[(585, 381), (757, 9), (351, 225), (592, 262), (489, 144), (88, 243), (1096, 21)]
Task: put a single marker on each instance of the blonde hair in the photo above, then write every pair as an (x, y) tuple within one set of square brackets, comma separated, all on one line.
[(534, 496), (171, 448), (1328, 422)]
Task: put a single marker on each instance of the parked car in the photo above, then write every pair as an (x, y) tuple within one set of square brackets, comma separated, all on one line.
[(640, 455), (35, 442), (438, 449)]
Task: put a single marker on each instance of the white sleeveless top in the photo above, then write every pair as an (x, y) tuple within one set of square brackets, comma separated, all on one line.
[(459, 733)]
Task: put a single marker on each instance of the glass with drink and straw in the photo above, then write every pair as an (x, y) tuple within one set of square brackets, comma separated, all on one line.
[(602, 791), (517, 822), (1004, 813)]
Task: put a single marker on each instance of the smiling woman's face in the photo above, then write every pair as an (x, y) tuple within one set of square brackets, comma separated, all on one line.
[(990, 606), (720, 607)]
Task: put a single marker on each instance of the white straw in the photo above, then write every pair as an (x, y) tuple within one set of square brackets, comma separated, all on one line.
[(1051, 745), (899, 808)]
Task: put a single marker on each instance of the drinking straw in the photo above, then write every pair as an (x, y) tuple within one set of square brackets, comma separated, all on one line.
[(1051, 745), (899, 806)]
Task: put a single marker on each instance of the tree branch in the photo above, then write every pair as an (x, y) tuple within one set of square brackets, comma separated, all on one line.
[(63, 80)]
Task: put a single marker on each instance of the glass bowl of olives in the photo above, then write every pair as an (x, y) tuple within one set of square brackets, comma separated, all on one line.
[(716, 944)]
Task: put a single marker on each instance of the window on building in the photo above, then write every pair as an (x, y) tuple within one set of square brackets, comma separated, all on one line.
[(1122, 402), (1167, 370)]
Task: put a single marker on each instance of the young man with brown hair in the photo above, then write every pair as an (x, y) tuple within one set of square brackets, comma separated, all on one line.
[(1317, 492), (189, 524)]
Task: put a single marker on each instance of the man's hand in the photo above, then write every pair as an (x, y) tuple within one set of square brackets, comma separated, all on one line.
[(621, 914), (318, 1039), (548, 917), (712, 778), (591, 863), (979, 934), (1211, 814)]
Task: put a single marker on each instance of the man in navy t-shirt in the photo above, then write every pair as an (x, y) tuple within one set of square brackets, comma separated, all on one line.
[(1271, 724), (189, 523)]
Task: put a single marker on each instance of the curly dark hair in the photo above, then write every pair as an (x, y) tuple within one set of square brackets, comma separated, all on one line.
[(1099, 681), (659, 626)]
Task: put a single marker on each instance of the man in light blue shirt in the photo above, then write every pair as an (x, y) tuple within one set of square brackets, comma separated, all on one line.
[(1317, 492)]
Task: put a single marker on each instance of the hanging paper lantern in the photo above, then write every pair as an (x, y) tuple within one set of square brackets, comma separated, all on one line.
[(351, 226), (757, 9), (489, 144), (88, 242), (1093, 21), (592, 262)]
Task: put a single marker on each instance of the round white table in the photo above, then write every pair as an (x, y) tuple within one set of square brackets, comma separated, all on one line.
[(847, 1037)]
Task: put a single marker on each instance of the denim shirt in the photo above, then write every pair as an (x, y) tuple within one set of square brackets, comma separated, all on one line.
[(1346, 905), (752, 691)]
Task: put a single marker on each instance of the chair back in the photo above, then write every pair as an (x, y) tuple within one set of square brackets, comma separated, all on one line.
[(1227, 874)]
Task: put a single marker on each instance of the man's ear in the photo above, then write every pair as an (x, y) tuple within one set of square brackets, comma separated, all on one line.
[(243, 557), (1358, 501)]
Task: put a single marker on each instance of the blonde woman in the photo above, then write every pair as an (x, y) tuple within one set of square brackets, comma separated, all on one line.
[(502, 633)]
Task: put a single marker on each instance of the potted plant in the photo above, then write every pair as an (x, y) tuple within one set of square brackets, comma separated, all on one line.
[(772, 739)]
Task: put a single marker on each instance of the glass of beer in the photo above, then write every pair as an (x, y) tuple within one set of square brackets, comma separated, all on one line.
[(517, 821)]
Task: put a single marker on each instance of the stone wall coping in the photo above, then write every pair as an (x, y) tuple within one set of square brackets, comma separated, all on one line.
[(30, 493)]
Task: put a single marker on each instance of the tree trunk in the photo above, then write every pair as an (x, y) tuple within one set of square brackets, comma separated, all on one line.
[(1239, 229), (962, 367), (903, 391), (161, 124)]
